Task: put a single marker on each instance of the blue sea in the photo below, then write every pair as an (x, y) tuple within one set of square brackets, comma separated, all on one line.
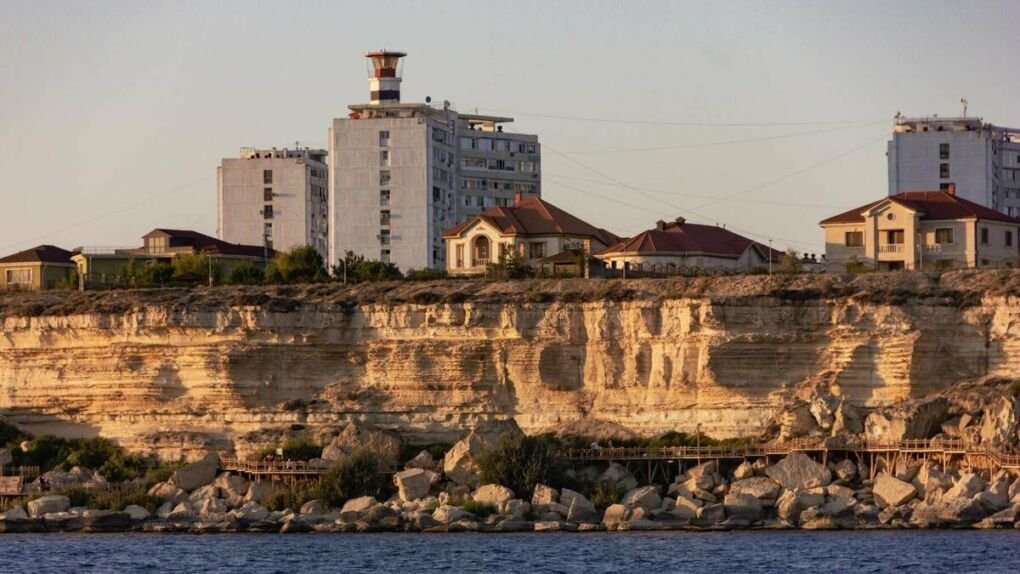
[(982, 552)]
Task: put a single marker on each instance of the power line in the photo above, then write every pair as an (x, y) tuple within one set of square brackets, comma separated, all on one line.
[(678, 123), (701, 196), (109, 213), (723, 142), (793, 174)]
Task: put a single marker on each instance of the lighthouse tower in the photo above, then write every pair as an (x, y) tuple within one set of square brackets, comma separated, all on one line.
[(384, 76)]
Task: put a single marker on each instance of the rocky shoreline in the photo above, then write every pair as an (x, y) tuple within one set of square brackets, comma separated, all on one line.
[(794, 493)]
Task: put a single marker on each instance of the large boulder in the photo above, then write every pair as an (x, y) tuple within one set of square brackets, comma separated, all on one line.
[(167, 491), (461, 462), (448, 514), (233, 488), (582, 510), (422, 460), (948, 512), (251, 512), (845, 469), (197, 474), (967, 486), (710, 515), (494, 494), (848, 420), (53, 503), (796, 421), (137, 513), (891, 491), (360, 505), (106, 521), (646, 497), (743, 506), (544, 496), (359, 436), (615, 515), (764, 489), (798, 471), (915, 419), (618, 475), (999, 423), (412, 484), (260, 491), (567, 497)]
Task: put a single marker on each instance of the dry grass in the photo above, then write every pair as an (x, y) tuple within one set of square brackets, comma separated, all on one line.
[(959, 288)]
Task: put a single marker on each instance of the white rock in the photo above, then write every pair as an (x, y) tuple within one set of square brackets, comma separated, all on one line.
[(136, 512), (447, 514), (799, 471), (191, 476), (493, 494), (646, 497), (48, 504), (890, 491), (360, 504), (544, 495), (412, 484)]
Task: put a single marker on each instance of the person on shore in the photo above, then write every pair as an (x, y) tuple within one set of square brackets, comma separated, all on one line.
[(595, 445)]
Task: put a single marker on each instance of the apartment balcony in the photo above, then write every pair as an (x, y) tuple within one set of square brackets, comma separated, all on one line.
[(891, 248)]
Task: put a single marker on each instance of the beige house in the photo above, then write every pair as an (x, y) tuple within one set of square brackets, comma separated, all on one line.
[(543, 235), (42, 267), (677, 246), (922, 230)]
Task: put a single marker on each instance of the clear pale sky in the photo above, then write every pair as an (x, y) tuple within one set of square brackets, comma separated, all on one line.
[(115, 115)]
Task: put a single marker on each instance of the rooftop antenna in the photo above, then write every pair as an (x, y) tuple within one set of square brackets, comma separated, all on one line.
[(964, 102)]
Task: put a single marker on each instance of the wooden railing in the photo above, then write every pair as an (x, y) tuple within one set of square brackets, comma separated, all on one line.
[(294, 467)]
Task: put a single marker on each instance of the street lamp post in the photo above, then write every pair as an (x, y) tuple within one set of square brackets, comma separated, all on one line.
[(770, 257)]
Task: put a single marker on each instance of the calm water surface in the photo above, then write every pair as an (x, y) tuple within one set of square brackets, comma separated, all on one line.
[(647, 553)]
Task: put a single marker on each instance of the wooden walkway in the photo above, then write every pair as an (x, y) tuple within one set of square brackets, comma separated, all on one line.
[(279, 470)]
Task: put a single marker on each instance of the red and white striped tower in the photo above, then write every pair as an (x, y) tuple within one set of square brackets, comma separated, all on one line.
[(384, 77)]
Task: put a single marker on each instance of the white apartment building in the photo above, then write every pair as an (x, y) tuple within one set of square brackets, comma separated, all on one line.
[(275, 196), (982, 159), (402, 173)]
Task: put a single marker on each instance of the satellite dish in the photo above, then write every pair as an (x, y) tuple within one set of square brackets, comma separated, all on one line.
[(428, 99)]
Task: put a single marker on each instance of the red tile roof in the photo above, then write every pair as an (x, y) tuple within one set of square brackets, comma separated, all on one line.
[(40, 254), (535, 216), (933, 205), (689, 238)]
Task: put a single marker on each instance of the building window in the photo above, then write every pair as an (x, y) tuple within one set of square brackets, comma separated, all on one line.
[(267, 194), (437, 194), (943, 170), (479, 201), (384, 217), (384, 138), (267, 231), (944, 151), (384, 177), (384, 236), (484, 144), (18, 276), (473, 163), (894, 237), (384, 256), (944, 187), (157, 244), (459, 255), (267, 212), (944, 235), (384, 197), (267, 176), (1009, 239), (467, 143), (384, 157), (984, 236), (536, 250), (854, 238)]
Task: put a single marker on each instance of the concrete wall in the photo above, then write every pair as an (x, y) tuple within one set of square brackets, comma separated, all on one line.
[(671, 262)]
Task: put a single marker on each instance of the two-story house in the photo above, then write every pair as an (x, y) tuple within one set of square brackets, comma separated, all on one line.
[(921, 230)]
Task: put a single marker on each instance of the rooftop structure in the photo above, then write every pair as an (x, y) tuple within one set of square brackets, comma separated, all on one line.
[(40, 267)]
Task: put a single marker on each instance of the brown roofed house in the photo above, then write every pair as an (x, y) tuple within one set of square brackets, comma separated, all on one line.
[(922, 230), (41, 267), (679, 245), (541, 233)]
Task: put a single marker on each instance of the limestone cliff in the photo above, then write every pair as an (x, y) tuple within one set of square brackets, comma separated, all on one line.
[(173, 371)]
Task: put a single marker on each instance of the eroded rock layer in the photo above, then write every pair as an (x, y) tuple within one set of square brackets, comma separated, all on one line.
[(174, 374)]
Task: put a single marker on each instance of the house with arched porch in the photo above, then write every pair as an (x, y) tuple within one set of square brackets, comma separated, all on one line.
[(541, 234)]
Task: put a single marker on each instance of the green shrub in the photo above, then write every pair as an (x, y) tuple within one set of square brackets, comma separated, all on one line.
[(295, 447), (46, 452), (299, 265), (480, 509), (605, 494), (118, 499), (356, 475), (11, 435), (520, 462), (427, 274), (247, 273), (200, 265)]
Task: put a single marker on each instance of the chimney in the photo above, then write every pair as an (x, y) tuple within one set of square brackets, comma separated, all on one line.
[(680, 221), (660, 225), (384, 78), (951, 189)]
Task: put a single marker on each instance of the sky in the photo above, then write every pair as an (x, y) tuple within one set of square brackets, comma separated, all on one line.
[(763, 116)]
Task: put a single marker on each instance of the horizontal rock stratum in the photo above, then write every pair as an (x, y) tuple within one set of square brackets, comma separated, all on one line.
[(179, 371)]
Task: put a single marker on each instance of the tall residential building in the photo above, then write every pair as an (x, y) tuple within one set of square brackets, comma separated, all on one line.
[(401, 173), (982, 159), (275, 196)]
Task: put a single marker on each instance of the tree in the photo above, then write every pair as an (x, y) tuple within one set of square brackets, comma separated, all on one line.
[(157, 274), (299, 265), (196, 264), (520, 462), (510, 266), (790, 262), (358, 269), (246, 273)]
